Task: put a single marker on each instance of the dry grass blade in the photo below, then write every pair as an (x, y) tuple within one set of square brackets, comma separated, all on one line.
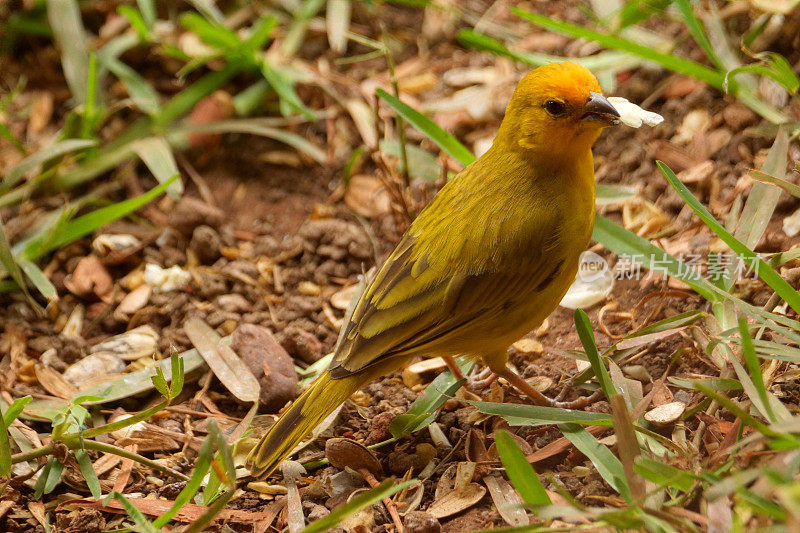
[(337, 20), (627, 444), (226, 365), (157, 155), (65, 20)]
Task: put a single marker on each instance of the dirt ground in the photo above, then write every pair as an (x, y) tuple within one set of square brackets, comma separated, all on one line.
[(273, 244)]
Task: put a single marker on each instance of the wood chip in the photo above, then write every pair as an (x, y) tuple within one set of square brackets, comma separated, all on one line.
[(666, 414), (413, 373), (528, 345)]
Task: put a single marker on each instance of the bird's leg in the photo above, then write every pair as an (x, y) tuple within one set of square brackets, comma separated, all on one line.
[(474, 383), (450, 361), (524, 387), (540, 399)]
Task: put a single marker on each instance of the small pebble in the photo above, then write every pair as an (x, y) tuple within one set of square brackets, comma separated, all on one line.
[(206, 243), (270, 364), (421, 522)]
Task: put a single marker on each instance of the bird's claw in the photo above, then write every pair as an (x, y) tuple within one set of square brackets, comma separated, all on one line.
[(481, 380)]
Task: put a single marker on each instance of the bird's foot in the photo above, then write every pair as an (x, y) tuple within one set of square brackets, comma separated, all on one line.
[(481, 380), (540, 399), (476, 382)]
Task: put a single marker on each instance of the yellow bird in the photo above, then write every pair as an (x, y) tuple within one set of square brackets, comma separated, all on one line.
[(484, 263)]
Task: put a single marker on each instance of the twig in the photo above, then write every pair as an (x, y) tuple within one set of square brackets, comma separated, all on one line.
[(77, 444)]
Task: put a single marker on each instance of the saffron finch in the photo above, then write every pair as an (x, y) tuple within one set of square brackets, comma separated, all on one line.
[(484, 263)]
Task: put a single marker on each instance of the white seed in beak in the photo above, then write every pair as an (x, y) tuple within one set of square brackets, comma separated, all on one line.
[(632, 115)]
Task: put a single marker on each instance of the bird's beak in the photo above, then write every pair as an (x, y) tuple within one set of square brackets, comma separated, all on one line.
[(599, 109)]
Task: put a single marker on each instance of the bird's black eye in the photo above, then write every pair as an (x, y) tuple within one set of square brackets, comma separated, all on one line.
[(555, 108)]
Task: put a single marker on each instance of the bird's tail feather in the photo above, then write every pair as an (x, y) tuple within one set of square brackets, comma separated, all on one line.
[(311, 408)]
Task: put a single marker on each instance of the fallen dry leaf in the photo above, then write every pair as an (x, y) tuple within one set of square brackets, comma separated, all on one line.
[(367, 196), (223, 361), (54, 382)]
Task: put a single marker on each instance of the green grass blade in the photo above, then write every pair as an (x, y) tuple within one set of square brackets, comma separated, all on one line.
[(250, 99), (15, 409), (120, 149), (641, 251), (636, 11), (157, 156), (424, 409), (201, 467), (284, 86), (787, 186), (384, 490), (6, 134), (672, 62), (148, 11), (83, 225), (717, 384), (6, 419), (90, 108), (177, 375), (208, 516), (65, 20), (260, 32), (773, 411), (89, 475), (584, 327), (293, 38), (143, 525), (520, 472), (9, 263), (611, 194), (773, 66), (767, 111), (737, 411), (257, 126), (763, 199), (43, 155), (443, 140), (765, 272), (534, 415), (209, 10), (608, 466), (143, 95), (677, 321), (5, 452), (754, 369), (38, 279), (695, 27), (136, 21), (225, 455), (212, 33), (49, 478), (608, 60), (185, 100), (160, 383), (483, 42)]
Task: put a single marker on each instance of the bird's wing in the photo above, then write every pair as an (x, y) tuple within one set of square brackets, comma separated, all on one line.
[(416, 299)]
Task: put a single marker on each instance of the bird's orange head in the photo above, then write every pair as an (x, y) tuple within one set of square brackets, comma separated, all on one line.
[(557, 108)]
